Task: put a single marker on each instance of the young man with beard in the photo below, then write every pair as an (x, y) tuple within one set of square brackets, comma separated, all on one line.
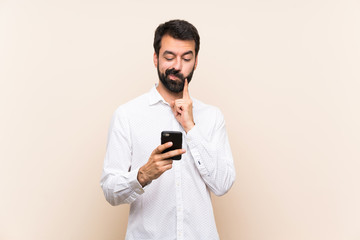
[(169, 199)]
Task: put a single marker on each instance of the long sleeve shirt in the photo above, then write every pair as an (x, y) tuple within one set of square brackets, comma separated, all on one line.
[(177, 205)]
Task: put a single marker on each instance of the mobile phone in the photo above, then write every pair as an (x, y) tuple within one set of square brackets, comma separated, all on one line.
[(176, 138)]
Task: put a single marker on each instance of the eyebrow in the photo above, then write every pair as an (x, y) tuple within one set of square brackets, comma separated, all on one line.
[(172, 53)]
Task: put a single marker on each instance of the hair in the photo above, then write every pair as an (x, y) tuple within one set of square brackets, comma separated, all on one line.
[(178, 29)]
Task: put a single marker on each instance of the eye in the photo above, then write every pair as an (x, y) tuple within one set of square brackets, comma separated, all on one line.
[(168, 58), (187, 60)]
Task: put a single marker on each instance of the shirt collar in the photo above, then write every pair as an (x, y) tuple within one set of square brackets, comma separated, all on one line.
[(155, 97)]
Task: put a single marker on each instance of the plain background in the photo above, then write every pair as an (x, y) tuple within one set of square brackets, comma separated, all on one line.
[(284, 73)]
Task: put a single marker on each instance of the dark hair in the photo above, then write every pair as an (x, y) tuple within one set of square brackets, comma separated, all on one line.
[(178, 29)]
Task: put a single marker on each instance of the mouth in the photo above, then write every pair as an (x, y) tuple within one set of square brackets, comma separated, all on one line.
[(173, 77)]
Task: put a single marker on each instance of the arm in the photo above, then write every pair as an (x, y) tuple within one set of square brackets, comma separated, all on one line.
[(213, 157), (120, 183)]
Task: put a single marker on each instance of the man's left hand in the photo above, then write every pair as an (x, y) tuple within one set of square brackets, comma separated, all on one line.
[(183, 109)]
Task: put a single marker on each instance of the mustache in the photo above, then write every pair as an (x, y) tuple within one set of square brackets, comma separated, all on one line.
[(174, 72)]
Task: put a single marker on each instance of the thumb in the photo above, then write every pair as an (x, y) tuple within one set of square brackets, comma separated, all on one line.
[(172, 103)]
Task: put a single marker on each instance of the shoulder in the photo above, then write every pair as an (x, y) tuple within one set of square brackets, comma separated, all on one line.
[(207, 108), (135, 104), (207, 112), (127, 111)]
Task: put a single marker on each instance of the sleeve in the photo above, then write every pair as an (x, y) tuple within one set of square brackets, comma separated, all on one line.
[(118, 181), (213, 156)]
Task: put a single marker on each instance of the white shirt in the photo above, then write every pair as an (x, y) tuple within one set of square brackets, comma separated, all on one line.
[(177, 205)]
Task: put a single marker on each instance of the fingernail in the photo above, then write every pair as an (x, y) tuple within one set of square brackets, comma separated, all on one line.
[(170, 143)]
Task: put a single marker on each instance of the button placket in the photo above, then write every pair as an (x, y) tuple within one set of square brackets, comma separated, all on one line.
[(178, 187)]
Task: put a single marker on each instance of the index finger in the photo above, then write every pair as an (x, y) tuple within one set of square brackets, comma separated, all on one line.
[(173, 153), (186, 90), (162, 147)]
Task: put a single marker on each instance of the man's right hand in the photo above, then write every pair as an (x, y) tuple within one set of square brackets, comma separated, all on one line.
[(157, 164)]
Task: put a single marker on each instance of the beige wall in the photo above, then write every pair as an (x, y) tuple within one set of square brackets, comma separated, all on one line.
[(285, 74)]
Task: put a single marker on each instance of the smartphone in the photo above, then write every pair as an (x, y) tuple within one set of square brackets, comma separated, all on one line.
[(176, 138)]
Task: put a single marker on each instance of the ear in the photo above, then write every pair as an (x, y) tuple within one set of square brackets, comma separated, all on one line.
[(155, 59), (196, 62)]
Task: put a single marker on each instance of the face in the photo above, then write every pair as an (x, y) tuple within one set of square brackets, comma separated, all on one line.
[(176, 61)]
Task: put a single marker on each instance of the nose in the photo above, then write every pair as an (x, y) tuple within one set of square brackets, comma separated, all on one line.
[(177, 64)]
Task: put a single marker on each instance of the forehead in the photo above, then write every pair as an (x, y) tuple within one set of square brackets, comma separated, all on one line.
[(176, 46)]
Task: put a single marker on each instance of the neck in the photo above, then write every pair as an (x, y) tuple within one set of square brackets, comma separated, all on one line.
[(168, 96)]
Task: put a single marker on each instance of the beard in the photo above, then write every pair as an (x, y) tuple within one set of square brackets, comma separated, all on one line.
[(174, 86)]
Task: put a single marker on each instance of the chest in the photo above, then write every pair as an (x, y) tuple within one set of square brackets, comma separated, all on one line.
[(146, 127)]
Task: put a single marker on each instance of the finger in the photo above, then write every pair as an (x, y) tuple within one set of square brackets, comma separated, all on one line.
[(168, 166), (186, 90), (162, 147), (166, 162), (165, 167), (179, 101), (174, 108), (173, 153), (179, 105), (180, 109), (163, 162)]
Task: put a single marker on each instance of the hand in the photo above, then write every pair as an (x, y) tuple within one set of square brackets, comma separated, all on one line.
[(182, 109), (157, 164)]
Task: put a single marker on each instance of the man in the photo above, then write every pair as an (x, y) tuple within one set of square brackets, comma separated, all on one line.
[(168, 199)]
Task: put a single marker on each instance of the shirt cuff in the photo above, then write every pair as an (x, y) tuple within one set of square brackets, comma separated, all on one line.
[(135, 186), (194, 141)]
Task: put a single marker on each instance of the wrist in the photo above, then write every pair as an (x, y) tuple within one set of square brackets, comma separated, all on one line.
[(189, 127), (142, 178)]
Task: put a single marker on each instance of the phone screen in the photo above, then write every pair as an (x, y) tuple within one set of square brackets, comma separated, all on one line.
[(176, 138)]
